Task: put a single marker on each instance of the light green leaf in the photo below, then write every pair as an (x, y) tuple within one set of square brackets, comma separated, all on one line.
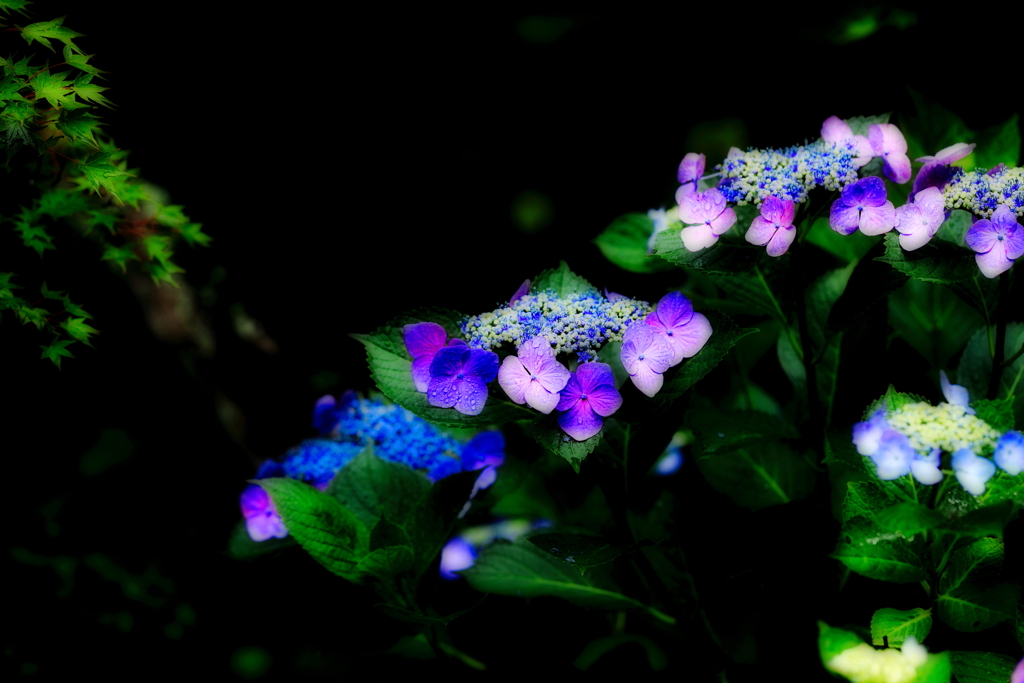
[(936, 261), (624, 243), (724, 257), (87, 90), (890, 627), (56, 350), (847, 248), (908, 519), (864, 499), (971, 594), (524, 570), (562, 280), (42, 30), (833, 641), (81, 61), (864, 548), (981, 667), (372, 488), (333, 535), (99, 172), (54, 88), (547, 433), (79, 329), (955, 228)]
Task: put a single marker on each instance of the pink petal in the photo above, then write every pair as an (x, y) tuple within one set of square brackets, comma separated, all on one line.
[(782, 240), (724, 221), (993, 262), (698, 237), (689, 339), (647, 380), (761, 230), (778, 211), (835, 130), (886, 138), (539, 398), (533, 352), (875, 220), (897, 167), (933, 207), (514, 379), (691, 167)]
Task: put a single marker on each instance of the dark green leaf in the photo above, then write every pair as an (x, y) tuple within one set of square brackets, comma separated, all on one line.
[(989, 520), (847, 248), (866, 549), (385, 563), (372, 488), (242, 547), (580, 550), (563, 281), (870, 283), (936, 261), (955, 228), (908, 519), (724, 257), (759, 475), (999, 144), (932, 320), (719, 431), (596, 649), (976, 366), (864, 499), (56, 350), (839, 448), (981, 667), (890, 627), (549, 435), (971, 594), (998, 413), (333, 535), (624, 243)]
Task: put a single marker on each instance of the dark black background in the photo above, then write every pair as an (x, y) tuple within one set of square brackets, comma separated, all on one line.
[(351, 165)]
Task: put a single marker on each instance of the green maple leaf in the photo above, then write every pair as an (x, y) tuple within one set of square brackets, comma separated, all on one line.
[(108, 219), (119, 255), (81, 61), (54, 88), (163, 272), (6, 285), (78, 123), (87, 91), (57, 349), (99, 171), (36, 316), (49, 293), (79, 329), (193, 234), (18, 68), (171, 215), (74, 308), (60, 203), (42, 30), (9, 88), (33, 235), (8, 6)]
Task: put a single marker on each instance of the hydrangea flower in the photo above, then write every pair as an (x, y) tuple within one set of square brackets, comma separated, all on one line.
[(660, 219), (691, 168), (918, 222), (937, 170), (955, 394), (774, 227), (863, 205), (646, 355), (317, 461), (893, 456), (925, 468), (533, 376), (589, 396), (710, 212), (459, 377), (888, 142), (755, 175), (864, 664), (999, 241), (685, 330), (867, 436), (982, 192), (261, 518), (892, 452), (457, 554), (972, 471), (1009, 453), (423, 341), (523, 290), (835, 130)]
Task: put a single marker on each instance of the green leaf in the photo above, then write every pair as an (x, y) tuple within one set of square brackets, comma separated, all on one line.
[(547, 433), (57, 349), (954, 229), (870, 284), (908, 519), (971, 594), (333, 535), (758, 476), (54, 88), (989, 520), (242, 547), (595, 649), (936, 261), (193, 234), (42, 30), (391, 368), (725, 334), (87, 90), (864, 499), (562, 280), (524, 570), (720, 431), (976, 366), (998, 413), (78, 123), (384, 563), (981, 667), (833, 641), (81, 61), (624, 243), (999, 144), (120, 255), (99, 172), (839, 448), (864, 548), (1003, 486), (372, 488), (79, 329), (33, 235), (890, 627), (582, 551), (18, 6), (847, 248), (933, 320), (724, 257)]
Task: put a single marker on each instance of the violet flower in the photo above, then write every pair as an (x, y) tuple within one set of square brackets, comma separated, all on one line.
[(533, 376), (690, 170), (589, 396), (955, 394), (261, 518), (937, 170), (423, 341), (972, 471), (710, 212), (888, 142), (863, 205), (774, 227), (894, 455), (646, 355), (999, 241), (686, 331), (1009, 454), (867, 436), (925, 468), (459, 377), (834, 129), (917, 223), (523, 290)]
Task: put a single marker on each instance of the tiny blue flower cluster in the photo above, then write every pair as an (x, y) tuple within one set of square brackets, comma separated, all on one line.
[(581, 323), (755, 175), (982, 192)]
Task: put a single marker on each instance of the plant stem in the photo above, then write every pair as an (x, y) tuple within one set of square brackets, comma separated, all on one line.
[(1000, 349)]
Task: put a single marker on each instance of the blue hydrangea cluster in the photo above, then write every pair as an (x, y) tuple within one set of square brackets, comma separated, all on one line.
[(581, 323), (982, 192), (751, 177)]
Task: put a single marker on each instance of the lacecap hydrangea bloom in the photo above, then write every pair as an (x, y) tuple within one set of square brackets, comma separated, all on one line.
[(998, 241), (864, 664), (533, 376), (588, 397), (982, 192), (911, 439), (863, 205)]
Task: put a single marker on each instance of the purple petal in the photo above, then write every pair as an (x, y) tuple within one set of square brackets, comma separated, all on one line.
[(893, 456), (472, 395), (534, 352), (421, 372), (781, 241), (598, 384), (647, 380), (570, 393), (514, 378), (897, 167), (482, 364), (691, 167), (605, 400), (444, 390), (982, 236), (834, 129), (761, 231), (724, 221), (540, 399), (867, 435), (843, 219), (1013, 233), (688, 340), (778, 211), (932, 174), (643, 346), (523, 290), (955, 394), (993, 262), (886, 138), (580, 422), (424, 339), (672, 310), (1009, 453), (875, 220), (698, 237), (449, 361), (972, 471), (865, 192)]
